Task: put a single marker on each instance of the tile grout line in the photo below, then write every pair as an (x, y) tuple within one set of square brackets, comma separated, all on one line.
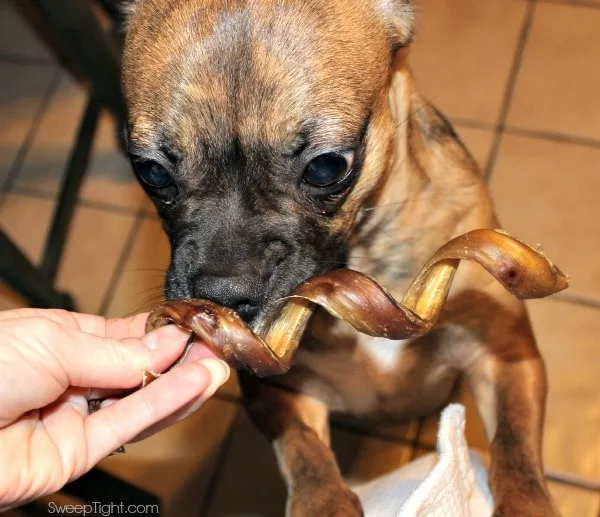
[(88, 203), (473, 124), (574, 3), (510, 87), (27, 191), (553, 136), (125, 252), (209, 491), (540, 134), (578, 299), (15, 168), (567, 478)]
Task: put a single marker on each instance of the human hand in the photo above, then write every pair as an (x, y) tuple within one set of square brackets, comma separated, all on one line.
[(53, 362)]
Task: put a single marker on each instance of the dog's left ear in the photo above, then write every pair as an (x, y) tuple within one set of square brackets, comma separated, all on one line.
[(399, 17)]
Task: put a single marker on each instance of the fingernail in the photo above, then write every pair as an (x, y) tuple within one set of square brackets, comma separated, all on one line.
[(165, 336), (219, 373)]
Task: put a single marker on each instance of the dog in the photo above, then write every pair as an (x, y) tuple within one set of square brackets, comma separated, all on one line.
[(281, 139)]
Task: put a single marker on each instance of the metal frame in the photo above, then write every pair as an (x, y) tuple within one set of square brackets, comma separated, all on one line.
[(84, 46)]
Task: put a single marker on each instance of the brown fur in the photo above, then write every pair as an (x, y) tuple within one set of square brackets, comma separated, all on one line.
[(344, 61)]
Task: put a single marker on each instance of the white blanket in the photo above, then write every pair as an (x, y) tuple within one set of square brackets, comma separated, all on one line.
[(451, 484)]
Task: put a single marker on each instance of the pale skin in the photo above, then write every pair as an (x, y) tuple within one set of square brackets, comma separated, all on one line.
[(52, 363)]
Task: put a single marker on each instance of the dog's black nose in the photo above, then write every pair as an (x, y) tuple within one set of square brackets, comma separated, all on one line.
[(235, 273), (243, 295)]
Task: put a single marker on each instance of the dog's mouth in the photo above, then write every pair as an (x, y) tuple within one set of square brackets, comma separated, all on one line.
[(259, 313), (278, 293), (254, 289), (280, 289)]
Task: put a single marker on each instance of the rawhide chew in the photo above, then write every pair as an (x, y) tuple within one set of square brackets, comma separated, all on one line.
[(361, 302)]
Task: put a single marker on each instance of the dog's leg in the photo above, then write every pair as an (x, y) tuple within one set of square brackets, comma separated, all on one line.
[(510, 395), (508, 380), (299, 429)]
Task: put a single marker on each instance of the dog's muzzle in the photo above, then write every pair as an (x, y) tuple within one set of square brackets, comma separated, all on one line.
[(242, 278)]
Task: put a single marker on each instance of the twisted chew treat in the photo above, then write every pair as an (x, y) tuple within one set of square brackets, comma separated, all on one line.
[(361, 302)]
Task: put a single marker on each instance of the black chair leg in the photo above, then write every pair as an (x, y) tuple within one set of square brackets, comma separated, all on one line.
[(87, 47), (26, 279)]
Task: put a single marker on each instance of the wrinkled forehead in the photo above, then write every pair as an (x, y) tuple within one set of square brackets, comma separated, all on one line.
[(259, 70)]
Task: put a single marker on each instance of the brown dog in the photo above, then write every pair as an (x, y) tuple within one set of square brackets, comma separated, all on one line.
[(280, 139)]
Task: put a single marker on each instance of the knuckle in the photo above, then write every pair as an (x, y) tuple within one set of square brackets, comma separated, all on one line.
[(113, 423), (44, 326), (148, 408)]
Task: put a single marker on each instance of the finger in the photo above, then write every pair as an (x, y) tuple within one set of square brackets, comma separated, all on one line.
[(120, 422), (120, 328), (199, 351), (116, 328), (92, 361), (28, 313), (89, 323), (181, 414), (15, 313), (164, 336)]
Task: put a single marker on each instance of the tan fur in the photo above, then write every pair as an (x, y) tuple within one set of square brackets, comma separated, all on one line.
[(418, 188)]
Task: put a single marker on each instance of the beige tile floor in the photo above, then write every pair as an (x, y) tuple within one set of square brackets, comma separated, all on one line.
[(520, 79)]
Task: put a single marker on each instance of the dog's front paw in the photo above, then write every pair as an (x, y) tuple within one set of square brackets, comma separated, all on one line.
[(325, 501)]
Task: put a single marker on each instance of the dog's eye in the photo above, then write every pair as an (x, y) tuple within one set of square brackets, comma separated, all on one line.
[(328, 168), (153, 174)]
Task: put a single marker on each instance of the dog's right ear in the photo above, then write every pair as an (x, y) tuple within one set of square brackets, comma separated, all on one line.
[(398, 16)]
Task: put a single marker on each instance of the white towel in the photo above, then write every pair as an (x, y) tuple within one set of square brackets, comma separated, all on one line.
[(453, 484)]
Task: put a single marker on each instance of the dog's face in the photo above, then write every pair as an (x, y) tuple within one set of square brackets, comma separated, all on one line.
[(259, 128)]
